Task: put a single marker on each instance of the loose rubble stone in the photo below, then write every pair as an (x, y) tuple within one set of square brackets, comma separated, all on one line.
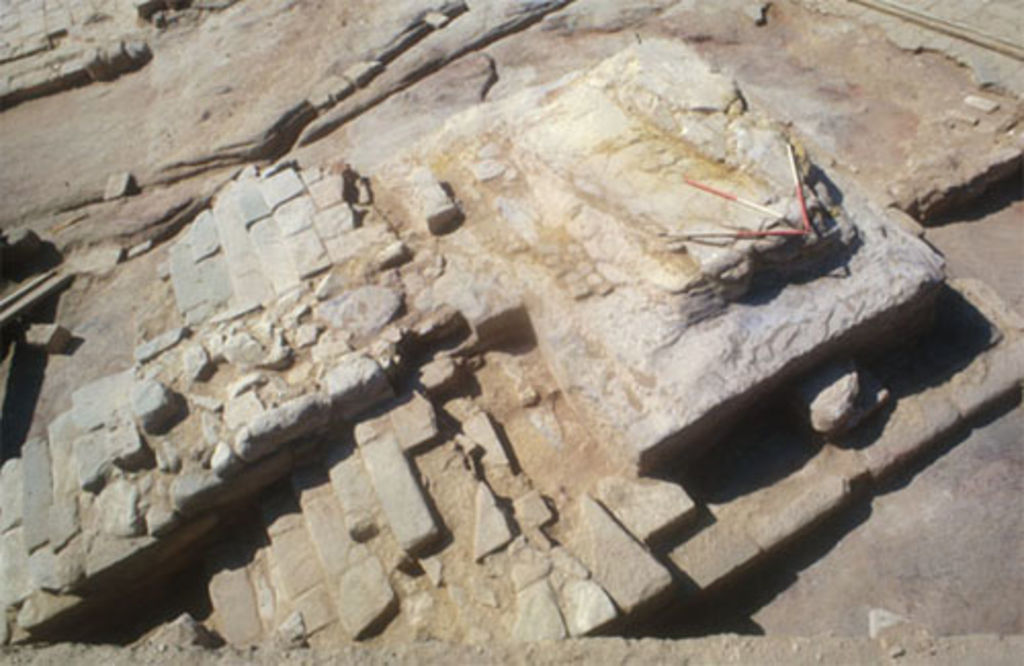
[(182, 632), (646, 507), (532, 511), (51, 338), (432, 203), (155, 406), (245, 383), (241, 411), (480, 429), (492, 531), (118, 509), (362, 311), (439, 376), (292, 632), (37, 492), (10, 494), (356, 384), (369, 598), (223, 462), (393, 256), (196, 363), (243, 350), (621, 565), (150, 349), (275, 427), (537, 614), (830, 395), (119, 185), (399, 492), (587, 607), (330, 286)]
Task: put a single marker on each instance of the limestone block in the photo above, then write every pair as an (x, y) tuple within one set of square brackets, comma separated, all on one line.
[(203, 241), (537, 614), (356, 384), (117, 508), (275, 427), (15, 583), (196, 363), (353, 489), (10, 494), (988, 378), (119, 185), (91, 460), (532, 511), (309, 253), (242, 410), (295, 560), (414, 422), (125, 447), (646, 507), (399, 492), (155, 406), (810, 502), (361, 73), (492, 531), (325, 522), (317, 609), (480, 428), (369, 599), (99, 402), (182, 632), (623, 567), (586, 606), (276, 260), (715, 554), (234, 603), (327, 193), (295, 216), (282, 186), (432, 203), (42, 607)]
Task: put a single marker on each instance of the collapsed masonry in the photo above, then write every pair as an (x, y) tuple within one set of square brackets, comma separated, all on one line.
[(446, 390)]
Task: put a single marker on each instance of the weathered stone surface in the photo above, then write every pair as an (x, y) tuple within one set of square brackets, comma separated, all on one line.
[(439, 376), (126, 448), (241, 411), (234, 603), (492, 531), (203, 241), (480, 429), (37, 492), (356, 384), (414, 422), (275, 427), (361, 73), (91, 460), (432, 204), (368, 597), (399, 492), (182, 632), (537, 614), (828, 396), (362, 311), (317, 609), (352, 486), (532, 511), (295, 561), (155, 406), (283, 186), (622, 566), (325, 522), (51, 338), (989, 378), (646, 507), (308, 253), (715, 554), (641, 323), (10, 494), (15, 583), (586, 606), (327, 194), (275, 255), (196, 363), (98, 402), (118, 509), (150, 349), (808, 505)]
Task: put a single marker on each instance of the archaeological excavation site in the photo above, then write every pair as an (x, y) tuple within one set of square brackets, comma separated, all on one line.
[(511, 331)]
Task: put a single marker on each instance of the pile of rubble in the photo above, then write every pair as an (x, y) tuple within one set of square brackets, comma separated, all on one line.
[(449, 389)]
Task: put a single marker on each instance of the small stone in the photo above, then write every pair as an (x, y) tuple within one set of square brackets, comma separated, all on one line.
[(492, 531), (51, 338), (480, 429), (983, 104), (587, 607), (486, 170), (126, 448), (306, 335), (532, 511), (436, 20), (155, 406), (119, 185), (246, 383), (830, 395), (434, 569), (537, 614), (168, 460), (243, 350), (196, 363), (224, 463), (183, 632), (369, 598), (362, 73), (439, 376), (393, 256), (431, 201), (161, 520), (118, 510), (149, 350), (139, 249)]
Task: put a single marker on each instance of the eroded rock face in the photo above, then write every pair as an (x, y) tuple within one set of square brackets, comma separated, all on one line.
[(657, 324)]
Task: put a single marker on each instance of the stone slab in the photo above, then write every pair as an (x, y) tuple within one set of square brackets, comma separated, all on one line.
[(587, 607), (623, 567), (234, 603), (37, 492), (282, 186), (715, 554), (399, 492), (309, 253), (414, 422), (99, 402), (15, 584), (10, 494), (537, 615), (646, 507), (355, 493), (275, 256), (295, 560), (203, 241), (367, 597), (295, 216), (492, 531)]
